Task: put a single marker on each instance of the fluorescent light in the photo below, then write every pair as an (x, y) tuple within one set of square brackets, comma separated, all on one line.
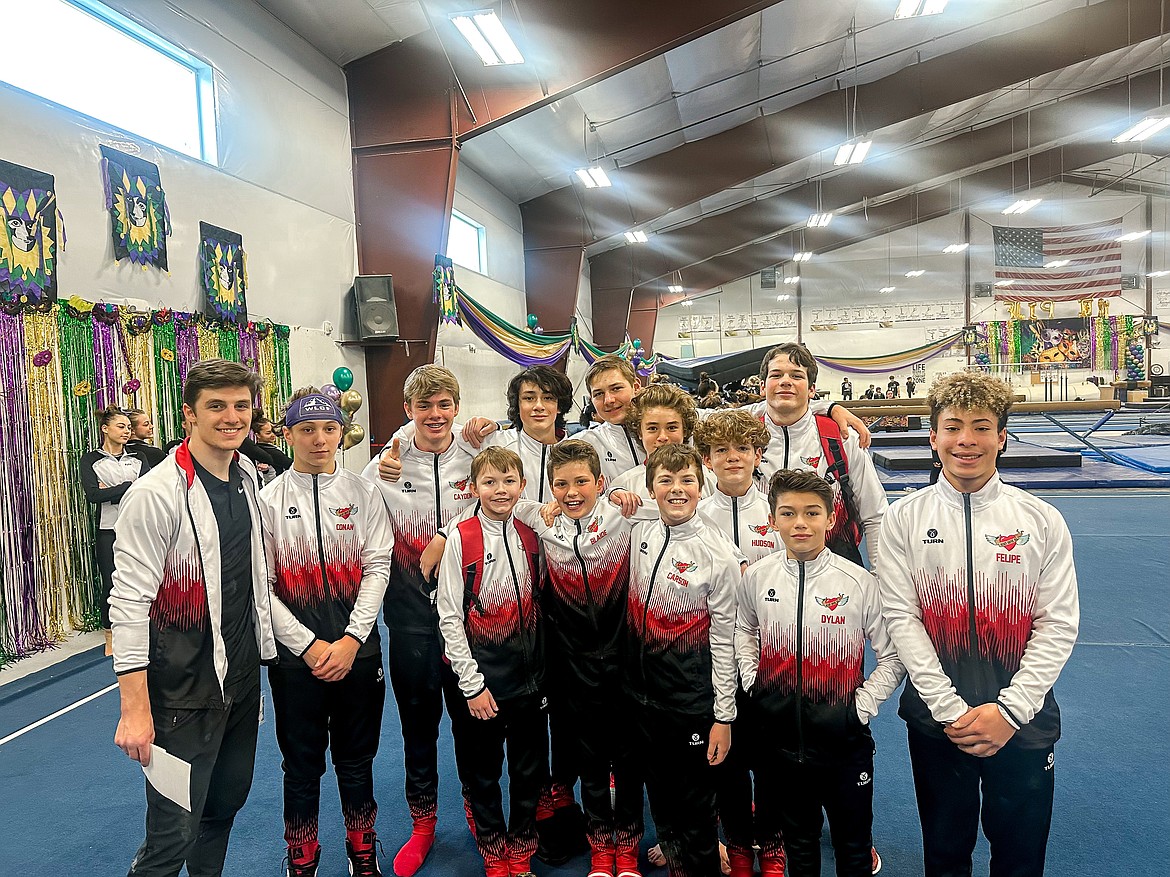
[(593, 177), (1132, 236), (688, 304), (917, 272), (1004, 282), (1023, 205), (955, 248), (819, 220), (915, 8), (852, 153), (887, 289), (1147, 127), (1057, 263), (796, 279), (802, 257), (783, 297), (636, 237), (484, 31), (674, 287), (1158, 273)]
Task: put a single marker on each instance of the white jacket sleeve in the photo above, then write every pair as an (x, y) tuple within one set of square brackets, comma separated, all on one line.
[(144, 530), (288, 631), (377, 546), (870, 497), (450, 605), (889, 672), (721, 609), (527, 511), (903, 616), (1054, 628), (747, 631)]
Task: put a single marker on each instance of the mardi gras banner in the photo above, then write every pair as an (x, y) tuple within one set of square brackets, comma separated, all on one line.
[(28, 240), (139, 219), (224, 273)]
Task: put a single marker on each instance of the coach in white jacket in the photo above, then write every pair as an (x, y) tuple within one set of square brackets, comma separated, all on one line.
[(980, 598)]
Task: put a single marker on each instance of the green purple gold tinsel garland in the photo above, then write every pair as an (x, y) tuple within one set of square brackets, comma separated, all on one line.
[(168, 421)]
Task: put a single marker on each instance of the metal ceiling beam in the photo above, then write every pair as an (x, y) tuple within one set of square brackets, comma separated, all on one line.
[(649, 189), (845, 192)]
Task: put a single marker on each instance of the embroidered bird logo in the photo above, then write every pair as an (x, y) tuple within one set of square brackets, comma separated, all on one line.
[(1010, 541), (592, 528), (682, 566), (811, 462), (760, 529), (344, 513), (832, 603), (460, 485)]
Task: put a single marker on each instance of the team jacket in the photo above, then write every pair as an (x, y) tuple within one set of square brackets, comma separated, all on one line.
[(491, 632), (432, 490), (99, 467), (634, 480), (799, 447), (166, 602), (743, 520), (800, 635), (534, 456), (680, 619), (980, 597), (329, 543), (618, 449)]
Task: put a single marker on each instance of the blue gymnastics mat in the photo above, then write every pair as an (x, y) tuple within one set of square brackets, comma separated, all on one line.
[(1060, 441), (1151, 459), (1091, 473)]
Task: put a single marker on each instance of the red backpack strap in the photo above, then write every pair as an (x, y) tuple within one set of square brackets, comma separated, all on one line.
[(833, 447), (471, 541), (531, 545)]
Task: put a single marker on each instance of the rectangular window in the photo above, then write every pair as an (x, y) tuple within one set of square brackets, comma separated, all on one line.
[(466, 243), (85, 56)]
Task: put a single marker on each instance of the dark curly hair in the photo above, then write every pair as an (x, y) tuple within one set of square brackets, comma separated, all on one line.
[(548, 380)]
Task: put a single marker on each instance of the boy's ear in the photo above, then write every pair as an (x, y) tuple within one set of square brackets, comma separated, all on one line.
[(601, 483), (830, 521)]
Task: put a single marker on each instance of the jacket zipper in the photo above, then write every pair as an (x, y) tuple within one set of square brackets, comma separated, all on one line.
[(519, 612), (786, 444), (646, 609), (800, 664), (438, 498), (543, 478), (321, 547), (974, 631), (630, 442), (735, 519), (585, 578)]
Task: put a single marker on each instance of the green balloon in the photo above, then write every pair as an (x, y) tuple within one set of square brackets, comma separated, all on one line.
[(342, 378)]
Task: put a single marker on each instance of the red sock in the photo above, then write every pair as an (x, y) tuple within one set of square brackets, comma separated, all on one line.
[(360, 840), (414, 851), (300, 853)]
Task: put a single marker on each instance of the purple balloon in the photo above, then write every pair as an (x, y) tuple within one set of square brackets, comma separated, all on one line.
[(332, 392)]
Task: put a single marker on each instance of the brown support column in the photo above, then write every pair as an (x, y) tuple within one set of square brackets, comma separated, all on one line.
[(551, 279), (643, 318)]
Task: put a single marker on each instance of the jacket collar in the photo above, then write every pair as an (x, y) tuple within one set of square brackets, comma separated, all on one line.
[(304, 479), (811, 567), (721, 500), (693, 527), (980, 499), (186, 462)]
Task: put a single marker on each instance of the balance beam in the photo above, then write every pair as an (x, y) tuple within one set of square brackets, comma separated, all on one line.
[(1046, 408)]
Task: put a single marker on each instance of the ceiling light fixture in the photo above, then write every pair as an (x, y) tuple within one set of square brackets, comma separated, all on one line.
[(1022, 206), (1158, 273), (783, 297), (852, 153), (593, 178), (955, 248), (1057, 263), (485, 32), (796, 279), (887, 289), (1132, 236), (1147, 127), (918, 8), (917, 272), (1004, 282), (636, 237), (819, 220), (802, 257), (688, 304), (674, 287)]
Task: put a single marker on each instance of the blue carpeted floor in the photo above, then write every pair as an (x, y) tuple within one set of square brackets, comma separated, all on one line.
[(72, 803)]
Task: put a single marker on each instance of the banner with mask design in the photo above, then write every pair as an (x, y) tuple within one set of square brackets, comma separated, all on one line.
[(139, 219), (224, 274), (28, 240)]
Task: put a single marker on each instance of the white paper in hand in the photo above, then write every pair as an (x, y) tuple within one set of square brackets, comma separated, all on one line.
[(170, 776)]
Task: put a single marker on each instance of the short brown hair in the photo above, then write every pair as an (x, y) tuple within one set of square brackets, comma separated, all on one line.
[(797, 354), (573, 451), (500, 459), (672, 458), (791, 481), (730, 427), (218, 374), (133, 413), (610, 362), (427, 380), (543, 378), (970, 391), (663, 396)]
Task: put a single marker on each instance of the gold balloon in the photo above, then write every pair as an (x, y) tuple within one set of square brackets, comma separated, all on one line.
[(353, 436), (351, 401)]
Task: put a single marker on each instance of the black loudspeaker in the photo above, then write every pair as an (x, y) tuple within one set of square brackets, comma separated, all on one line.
[(377, 316)]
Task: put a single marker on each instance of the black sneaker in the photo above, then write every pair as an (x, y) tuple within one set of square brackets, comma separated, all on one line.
[(303, 868), (363, 863)]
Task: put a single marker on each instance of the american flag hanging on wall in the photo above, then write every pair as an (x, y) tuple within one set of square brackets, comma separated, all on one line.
[(1066, 263)]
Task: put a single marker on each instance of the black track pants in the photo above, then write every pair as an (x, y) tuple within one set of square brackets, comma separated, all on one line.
[(1017, 788), (733, 778), (344, 717), (793, 797), (680, 784), (521, 729), (220, 746), (104, 549)]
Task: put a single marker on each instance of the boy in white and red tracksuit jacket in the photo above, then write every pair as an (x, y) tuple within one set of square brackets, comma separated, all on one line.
[(329, 542), (680, 666), (980, 596), (804, 616), (489, 618)]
